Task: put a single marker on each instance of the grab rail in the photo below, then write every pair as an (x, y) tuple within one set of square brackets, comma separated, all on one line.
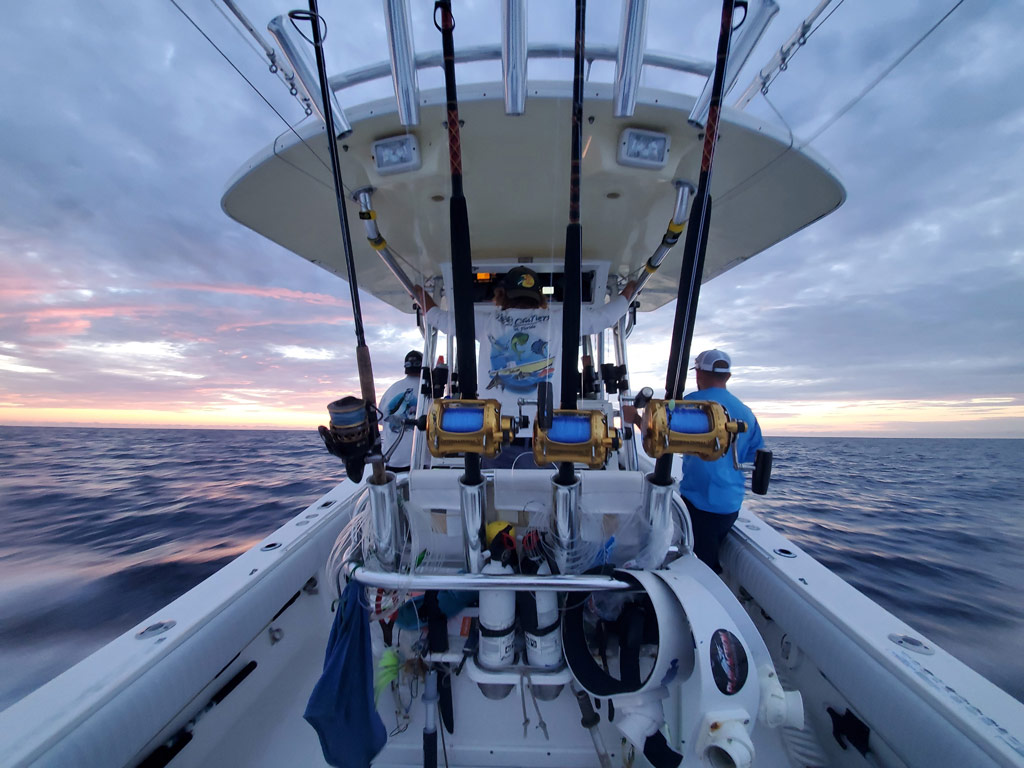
[(476, 581)]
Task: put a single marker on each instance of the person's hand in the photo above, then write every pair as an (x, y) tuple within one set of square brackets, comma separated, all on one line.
[(629, 289), (630, 415), (426, 303)]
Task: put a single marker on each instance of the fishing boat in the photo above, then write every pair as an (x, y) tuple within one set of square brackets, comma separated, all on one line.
[(550, 615)]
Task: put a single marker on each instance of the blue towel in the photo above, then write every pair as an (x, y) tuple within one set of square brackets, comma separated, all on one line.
[(341, 706)]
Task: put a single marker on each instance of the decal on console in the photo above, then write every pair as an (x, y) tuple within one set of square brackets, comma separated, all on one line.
[(728, 662)]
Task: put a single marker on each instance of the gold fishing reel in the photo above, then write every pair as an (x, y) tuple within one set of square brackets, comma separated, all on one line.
[(467, 426), (695, 427), (582, 437)]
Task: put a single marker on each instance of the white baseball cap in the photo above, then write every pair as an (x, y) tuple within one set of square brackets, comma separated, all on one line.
[(706, 360)]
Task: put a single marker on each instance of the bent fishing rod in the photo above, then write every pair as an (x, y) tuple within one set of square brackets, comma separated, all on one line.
[(572, 279), (363, 365), (462, 260), (696, 245)]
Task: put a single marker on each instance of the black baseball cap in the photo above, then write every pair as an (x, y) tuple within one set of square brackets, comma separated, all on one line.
[(521, 282)]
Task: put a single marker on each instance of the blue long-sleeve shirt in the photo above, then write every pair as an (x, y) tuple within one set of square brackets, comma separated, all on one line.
[(717, 486)]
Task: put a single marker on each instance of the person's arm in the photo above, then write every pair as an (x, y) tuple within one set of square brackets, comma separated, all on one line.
[(597, 318), (755, 443), (434, 315)]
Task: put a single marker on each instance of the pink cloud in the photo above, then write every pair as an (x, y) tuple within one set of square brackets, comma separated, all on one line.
[(280, 294)]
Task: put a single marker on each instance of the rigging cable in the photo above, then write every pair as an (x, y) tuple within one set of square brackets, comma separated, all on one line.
[(884, 74), (251, 85), (841, 112), (802, 41)]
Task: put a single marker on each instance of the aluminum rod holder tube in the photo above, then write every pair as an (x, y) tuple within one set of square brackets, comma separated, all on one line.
[(289, 47), (474, 582), (782, 55), (630, 59), (656, 508), (759, 15), (387, 522), (566, 524), (513, 55), (471, 503), (403, 61), (364, 197), (684, 190)]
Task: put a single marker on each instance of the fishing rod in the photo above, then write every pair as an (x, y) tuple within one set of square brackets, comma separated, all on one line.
[(572, 280), (462, 260), (696, 245), (365, 369)]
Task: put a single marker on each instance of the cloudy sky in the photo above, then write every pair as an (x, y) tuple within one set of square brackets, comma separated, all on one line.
[(127, 297)]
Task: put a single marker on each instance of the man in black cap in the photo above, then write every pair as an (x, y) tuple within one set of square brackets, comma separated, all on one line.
[(521, 338), (398, 406)]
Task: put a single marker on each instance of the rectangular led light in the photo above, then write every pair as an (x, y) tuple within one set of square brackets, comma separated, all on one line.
[(396, 155), (643, 149), (547, 290)]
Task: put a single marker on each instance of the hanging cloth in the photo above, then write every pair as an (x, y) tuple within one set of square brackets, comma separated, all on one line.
[(341, 707)]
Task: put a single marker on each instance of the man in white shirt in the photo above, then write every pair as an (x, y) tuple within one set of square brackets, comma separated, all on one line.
[(521, 336), (399, 405)]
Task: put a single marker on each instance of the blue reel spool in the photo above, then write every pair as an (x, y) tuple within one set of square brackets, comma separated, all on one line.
[(689, 421), (570, 429), (462, 420)]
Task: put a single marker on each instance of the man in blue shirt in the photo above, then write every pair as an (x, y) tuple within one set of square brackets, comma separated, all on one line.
[(713, 490)]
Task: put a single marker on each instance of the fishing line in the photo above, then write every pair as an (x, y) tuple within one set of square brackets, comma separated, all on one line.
[(783, 66), (884, 74), (251, 85)]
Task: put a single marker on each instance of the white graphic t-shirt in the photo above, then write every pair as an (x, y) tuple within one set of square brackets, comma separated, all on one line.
[(520, 348), (397, 405)]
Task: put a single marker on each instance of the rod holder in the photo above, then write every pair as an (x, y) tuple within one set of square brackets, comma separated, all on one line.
[(629, 63), (471, 503), (566, 523), (750, 31), (311, 84), (403, 61), (656, 508), (387, 522), (513, 55)]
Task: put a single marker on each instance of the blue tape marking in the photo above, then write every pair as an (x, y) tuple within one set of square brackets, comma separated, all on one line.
[(462, 420), (689, 421), (570, 429)]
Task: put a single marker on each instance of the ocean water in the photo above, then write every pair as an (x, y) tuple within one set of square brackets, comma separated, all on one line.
[(99, 528)]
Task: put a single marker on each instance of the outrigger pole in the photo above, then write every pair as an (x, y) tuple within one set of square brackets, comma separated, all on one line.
[(462, 260), (696, 241), (363, 365), (572, 281)]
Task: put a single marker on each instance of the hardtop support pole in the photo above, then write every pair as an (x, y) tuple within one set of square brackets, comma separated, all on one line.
[(572, 295), (363, 364), (696, 243)]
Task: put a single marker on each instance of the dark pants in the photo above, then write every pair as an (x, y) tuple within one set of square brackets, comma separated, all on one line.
[(709, 530)]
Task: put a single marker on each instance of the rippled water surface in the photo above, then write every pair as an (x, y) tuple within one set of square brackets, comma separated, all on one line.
[(99, 528)]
